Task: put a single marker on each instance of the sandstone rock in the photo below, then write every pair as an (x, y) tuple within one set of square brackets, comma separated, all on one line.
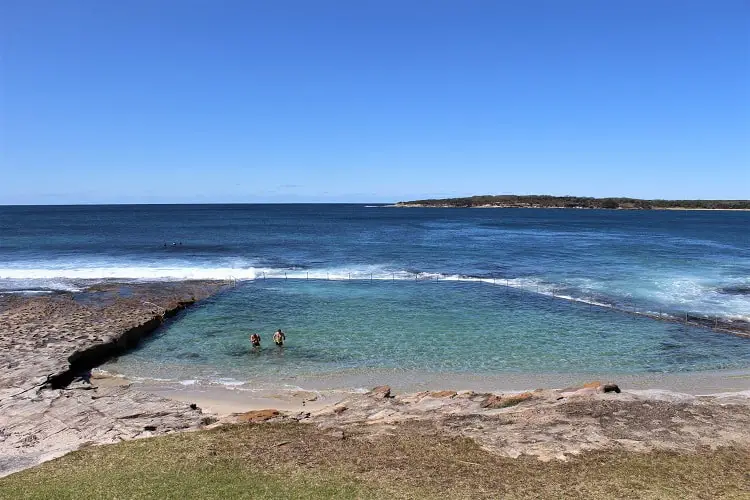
[(46, 424), (443, 394), (42, 337), (547, 427), (380, 392), (256, 416), (590, 388), (586, 389), (338, 410), (494, 402), (48, 346)]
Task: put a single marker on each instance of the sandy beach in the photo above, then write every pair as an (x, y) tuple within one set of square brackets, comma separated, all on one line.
[(222, 400)]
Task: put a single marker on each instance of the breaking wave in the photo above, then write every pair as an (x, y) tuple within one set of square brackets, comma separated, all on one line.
[(671, 296)]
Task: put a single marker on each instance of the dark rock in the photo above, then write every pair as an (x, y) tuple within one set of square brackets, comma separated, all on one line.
[(612, 388)]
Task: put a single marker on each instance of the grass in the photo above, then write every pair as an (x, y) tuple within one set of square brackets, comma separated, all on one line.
[(413, 461)]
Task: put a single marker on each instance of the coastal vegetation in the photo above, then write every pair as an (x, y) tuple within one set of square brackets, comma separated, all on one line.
[(546, 201), (291, 460)]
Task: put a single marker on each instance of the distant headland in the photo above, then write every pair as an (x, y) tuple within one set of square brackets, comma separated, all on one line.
[(545, 201)]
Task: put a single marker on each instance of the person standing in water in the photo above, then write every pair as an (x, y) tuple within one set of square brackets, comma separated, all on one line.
[(255, 340), (279, 337)]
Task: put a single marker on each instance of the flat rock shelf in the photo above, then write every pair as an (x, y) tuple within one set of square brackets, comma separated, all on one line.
[(48, 346)]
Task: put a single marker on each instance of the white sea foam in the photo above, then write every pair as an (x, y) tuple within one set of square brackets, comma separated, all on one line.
[(26, 292), (135, 273), (228, 382), (28, 285), (659, 295)]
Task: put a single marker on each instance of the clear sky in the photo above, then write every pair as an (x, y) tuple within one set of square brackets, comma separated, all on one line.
[(382, 100)]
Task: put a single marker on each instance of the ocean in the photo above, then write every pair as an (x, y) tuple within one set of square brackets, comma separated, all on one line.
[(366, 290)]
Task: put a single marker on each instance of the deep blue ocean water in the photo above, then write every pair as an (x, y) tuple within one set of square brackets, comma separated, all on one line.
[(443, 290)]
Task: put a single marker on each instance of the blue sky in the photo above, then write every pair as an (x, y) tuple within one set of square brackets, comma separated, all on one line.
[(199, 101)]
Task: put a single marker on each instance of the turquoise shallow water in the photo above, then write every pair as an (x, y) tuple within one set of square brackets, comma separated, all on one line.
[(339, 327)]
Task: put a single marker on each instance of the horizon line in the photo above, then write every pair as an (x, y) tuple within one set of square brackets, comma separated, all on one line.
[(351, 202)]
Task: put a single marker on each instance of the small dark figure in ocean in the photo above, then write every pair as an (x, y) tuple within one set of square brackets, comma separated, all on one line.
[(279, 337), (255, 340)]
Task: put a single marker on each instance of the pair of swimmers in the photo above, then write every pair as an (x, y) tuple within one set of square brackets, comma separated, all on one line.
[(278, 338)]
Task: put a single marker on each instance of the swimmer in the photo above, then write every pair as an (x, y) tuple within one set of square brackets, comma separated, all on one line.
[(255, 340), (279, 337)]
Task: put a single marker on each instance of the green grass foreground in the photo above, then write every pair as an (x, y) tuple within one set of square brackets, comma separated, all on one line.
[(414, 461)]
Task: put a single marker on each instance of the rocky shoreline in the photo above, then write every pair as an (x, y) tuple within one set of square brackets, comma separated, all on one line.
[(48, 346), (49, 407), (547, 424)]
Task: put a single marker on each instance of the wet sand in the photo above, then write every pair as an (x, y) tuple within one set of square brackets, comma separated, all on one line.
[(223, 402), (319, 393)]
